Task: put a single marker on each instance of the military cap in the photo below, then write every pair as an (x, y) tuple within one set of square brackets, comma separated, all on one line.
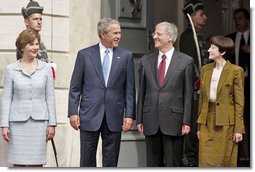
[(32, 7), (193, 6)]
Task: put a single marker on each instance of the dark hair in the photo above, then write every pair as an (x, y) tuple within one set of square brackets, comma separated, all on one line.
[(225, 44), (27, 36), (244, 11)]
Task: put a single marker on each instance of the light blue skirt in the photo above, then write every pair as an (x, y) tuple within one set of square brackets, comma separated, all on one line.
[(27, 145)]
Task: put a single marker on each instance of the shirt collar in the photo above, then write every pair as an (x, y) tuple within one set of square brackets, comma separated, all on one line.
[(168, 54), (245, 34), (103, 48), (40, 65)]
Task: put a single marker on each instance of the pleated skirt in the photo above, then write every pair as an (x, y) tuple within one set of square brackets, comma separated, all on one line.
[(216, 146), (27, 145)]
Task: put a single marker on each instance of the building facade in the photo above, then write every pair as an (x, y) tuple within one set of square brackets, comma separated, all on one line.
[(70, 25)]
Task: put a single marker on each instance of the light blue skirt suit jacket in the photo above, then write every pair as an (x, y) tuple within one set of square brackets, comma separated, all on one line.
[(28, 107)]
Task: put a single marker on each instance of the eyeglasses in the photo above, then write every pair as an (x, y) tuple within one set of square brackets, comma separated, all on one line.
[(158, 34)]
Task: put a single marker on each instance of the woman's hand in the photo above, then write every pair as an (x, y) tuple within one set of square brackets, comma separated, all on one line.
[(6, 133), (198, 134), (238, 137), (50, 132)]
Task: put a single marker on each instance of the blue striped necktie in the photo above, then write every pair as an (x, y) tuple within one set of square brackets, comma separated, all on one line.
[(106, 64)]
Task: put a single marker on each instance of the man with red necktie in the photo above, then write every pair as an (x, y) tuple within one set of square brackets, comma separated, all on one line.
[(165, 98)]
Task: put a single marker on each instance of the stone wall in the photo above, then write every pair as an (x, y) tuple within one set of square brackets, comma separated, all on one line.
[(68, 25)]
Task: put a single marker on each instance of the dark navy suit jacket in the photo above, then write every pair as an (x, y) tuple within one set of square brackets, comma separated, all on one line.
[(91, 99)]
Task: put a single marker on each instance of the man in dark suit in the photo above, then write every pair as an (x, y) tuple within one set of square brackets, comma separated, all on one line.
[(103, 89), (165, 98), (241, 57)]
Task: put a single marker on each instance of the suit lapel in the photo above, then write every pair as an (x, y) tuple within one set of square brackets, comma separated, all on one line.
[(115, 64), (173, 64), (208, 78), (223, 76), (154, 68), (96, 60)]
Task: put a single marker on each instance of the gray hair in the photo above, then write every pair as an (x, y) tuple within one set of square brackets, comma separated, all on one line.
[(170, 28), (104, 25)]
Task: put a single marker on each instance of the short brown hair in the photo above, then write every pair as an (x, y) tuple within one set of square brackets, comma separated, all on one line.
[(27, 36), (225, 44)]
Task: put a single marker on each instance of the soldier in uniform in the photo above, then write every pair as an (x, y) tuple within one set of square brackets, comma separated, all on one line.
[(195, 8), (33, 20)]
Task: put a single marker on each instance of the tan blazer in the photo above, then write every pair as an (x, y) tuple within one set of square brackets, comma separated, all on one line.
[(229, 99)]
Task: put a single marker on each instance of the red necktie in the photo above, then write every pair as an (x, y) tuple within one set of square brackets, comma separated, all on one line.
[(161, 70)]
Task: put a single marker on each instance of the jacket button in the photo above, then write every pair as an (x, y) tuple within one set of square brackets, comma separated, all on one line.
[(217, 104)]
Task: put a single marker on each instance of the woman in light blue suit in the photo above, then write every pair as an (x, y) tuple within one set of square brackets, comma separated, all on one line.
[(28, 117)]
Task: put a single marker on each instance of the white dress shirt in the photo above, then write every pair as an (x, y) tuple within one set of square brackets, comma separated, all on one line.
[(237, 43), (169, 55), (214, 83)]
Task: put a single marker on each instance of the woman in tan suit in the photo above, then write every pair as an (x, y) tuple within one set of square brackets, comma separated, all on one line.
[(221, 102)]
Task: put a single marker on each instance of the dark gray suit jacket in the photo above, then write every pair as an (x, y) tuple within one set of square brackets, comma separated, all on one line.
[(89, 94), (169, 106)]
